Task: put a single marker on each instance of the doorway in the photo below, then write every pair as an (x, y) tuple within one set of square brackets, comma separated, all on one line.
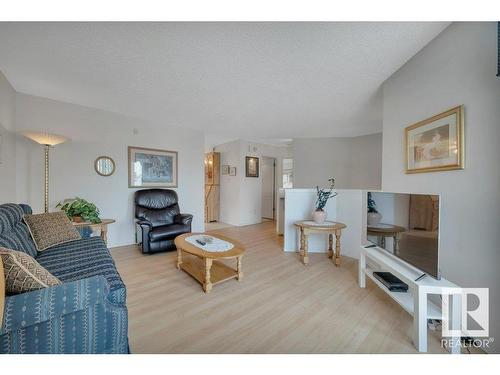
[(268, 171)]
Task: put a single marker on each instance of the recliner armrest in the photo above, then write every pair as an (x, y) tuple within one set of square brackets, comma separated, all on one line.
[(145, 223), (146, 227), (185, 219)]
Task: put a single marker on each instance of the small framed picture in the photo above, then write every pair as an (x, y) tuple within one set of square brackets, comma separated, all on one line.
[(251, 166), (436, 144), (225, 169), (232, 171)]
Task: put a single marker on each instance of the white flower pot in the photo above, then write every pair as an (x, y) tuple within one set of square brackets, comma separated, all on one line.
[(319, 217), (373, 219)]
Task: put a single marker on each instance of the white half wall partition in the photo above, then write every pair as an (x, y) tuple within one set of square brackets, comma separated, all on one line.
[(348, 207)]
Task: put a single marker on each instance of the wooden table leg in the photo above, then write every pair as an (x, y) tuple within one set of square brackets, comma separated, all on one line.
[(330, 245), (301, 236), (239, 269), (179, 258), (104, 233), (207, 286), (305, 257), (382, 242), (396, 243), (337, 248)]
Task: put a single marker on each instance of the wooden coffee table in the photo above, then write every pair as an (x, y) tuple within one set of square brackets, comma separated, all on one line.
[(205, 266)]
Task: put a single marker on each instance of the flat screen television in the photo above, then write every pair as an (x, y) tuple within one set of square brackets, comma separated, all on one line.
[(407, 226)]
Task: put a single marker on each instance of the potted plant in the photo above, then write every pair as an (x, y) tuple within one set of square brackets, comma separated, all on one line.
[(373, 217), (80, 210), (319, 215)]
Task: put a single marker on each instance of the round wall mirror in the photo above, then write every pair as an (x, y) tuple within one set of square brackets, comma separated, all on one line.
[(104, 166)]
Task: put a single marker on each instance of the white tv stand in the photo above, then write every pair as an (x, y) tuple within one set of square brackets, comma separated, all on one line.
[(415, 301)]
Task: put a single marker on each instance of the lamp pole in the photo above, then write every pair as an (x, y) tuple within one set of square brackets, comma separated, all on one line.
[(47, 140), (46, 197)]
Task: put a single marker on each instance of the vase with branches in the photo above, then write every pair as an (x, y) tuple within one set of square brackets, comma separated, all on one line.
[(373, 217), (323, 195)]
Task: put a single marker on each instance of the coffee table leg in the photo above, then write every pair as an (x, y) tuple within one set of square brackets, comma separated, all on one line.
[(330, 245), (207, 286), (305, 258), (238, 268), (337, 249), (179, 258)]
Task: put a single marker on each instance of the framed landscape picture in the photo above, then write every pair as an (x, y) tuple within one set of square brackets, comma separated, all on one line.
[(437, 143), (251, 166), (149, 167)]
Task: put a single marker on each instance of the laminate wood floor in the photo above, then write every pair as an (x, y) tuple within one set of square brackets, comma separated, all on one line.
[(280, 306)]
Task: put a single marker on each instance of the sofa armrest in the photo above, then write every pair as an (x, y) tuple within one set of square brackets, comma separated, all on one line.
[(185, 219), (42, 305)]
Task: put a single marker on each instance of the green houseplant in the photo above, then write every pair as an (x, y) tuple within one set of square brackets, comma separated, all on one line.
[(79, 209)]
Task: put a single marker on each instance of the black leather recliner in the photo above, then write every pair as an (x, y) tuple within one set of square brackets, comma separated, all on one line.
[(160, 219)]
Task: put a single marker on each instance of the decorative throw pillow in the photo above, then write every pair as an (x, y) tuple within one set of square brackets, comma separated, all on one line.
[(23, 273), (50, 229), (2, 291)]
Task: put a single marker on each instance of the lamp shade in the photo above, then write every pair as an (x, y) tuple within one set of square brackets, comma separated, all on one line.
[(46, 138)]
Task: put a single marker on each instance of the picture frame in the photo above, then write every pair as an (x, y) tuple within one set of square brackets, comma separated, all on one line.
[(225, 169), (251, 166), (436, 144), (153, 168), (232, 171)]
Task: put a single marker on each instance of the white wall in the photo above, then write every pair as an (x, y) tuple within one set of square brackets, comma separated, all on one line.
[(230, 154), (457, 67), (241, 196), (251, 187), (7, 141), (94, 133), (366, 162), (356, 163)]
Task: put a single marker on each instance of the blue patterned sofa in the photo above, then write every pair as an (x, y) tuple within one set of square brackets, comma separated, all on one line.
[(85, 314)]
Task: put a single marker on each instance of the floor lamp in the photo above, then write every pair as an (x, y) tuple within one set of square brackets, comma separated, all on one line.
[(47, 140)]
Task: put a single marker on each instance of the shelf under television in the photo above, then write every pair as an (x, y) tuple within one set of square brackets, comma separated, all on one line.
[(404, 299), (415, 301)]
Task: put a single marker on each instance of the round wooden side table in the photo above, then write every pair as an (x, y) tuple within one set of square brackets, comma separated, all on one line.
[(332, 228), (103, 226), (381, 231)]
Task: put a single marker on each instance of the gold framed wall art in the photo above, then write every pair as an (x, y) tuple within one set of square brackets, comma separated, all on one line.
[(436, 144)]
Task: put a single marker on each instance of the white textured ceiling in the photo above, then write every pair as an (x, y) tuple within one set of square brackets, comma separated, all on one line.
[(257, 80)]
